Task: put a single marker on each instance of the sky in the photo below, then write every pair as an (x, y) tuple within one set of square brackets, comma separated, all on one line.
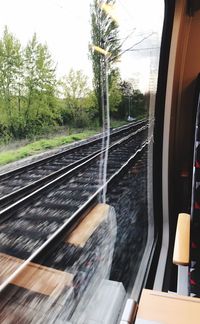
[(65, 26)]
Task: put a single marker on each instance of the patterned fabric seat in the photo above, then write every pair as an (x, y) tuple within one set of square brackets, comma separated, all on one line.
[(194, 269)]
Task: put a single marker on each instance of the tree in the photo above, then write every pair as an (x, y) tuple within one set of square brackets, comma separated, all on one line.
[(78, 96), (115, 93), (133, 101), (10, 75), (40, 84), (28, 87), (126, 88), (138, 103), (104, 34)]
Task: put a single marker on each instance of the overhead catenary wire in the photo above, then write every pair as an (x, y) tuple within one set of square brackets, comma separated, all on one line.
[(132, 46)]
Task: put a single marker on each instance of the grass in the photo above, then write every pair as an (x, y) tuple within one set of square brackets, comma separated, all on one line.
[(117, 123), (41, 146)]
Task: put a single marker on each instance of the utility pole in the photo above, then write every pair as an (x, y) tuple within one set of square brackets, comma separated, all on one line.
[(106, 123), (105, 55), (129, 106)]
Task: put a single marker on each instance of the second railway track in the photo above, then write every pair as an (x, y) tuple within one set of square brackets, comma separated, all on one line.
[(23, 180)]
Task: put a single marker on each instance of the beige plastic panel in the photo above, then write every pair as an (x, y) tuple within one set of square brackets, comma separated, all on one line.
[(182, 240)]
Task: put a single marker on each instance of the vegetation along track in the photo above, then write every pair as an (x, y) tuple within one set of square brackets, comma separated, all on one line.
[(21, 181)]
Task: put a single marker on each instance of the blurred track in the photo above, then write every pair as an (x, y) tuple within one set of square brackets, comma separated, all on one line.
[(35, 227)]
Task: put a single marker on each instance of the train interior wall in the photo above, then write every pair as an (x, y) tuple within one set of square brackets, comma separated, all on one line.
[(184, 67)]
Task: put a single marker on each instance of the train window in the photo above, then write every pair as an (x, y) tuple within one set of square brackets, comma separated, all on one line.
[(77, 222)]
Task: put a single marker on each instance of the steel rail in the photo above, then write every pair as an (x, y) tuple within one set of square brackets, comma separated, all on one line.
[(35, 184)]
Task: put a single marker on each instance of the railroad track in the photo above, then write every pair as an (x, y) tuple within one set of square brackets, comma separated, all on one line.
[(32, 227), (23, 180)]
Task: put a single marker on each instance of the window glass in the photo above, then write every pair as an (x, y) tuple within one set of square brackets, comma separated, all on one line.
[(68, 71)]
